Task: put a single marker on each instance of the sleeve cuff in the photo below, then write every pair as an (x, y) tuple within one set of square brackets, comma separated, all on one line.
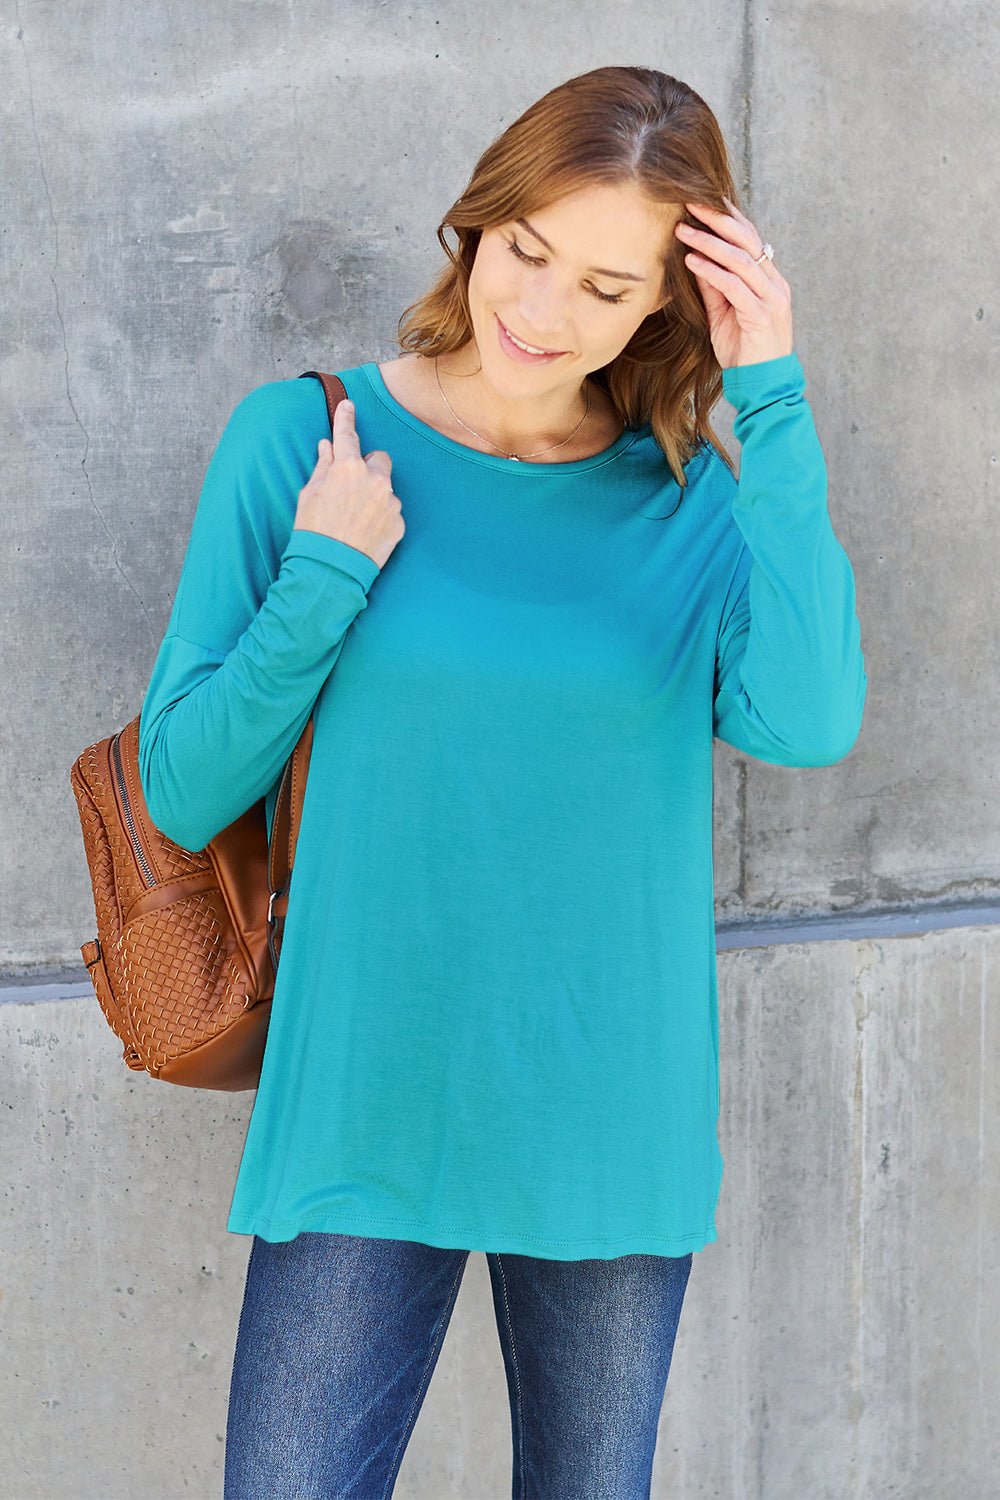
[(326, 549), (749, 387)]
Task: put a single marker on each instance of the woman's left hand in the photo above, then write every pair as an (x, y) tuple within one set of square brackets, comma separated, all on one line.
[(748, 301)]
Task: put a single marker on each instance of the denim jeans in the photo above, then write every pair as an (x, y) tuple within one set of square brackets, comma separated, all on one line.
[(339, 1337)]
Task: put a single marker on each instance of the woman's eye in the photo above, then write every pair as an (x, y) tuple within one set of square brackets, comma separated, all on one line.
[(530, 260), (537, 260)]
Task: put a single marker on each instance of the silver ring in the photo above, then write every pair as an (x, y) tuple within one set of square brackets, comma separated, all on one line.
[(766, 253)]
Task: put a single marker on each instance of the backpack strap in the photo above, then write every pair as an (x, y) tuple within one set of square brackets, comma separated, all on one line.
[(333, 390), (292, 787)]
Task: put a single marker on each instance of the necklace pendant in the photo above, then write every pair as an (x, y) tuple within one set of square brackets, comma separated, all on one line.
[(514, 458)]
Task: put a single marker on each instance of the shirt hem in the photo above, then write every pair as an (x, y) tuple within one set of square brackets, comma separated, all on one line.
[(543, 1247)]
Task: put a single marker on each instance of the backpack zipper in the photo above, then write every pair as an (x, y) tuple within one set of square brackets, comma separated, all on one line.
[(137, 848)]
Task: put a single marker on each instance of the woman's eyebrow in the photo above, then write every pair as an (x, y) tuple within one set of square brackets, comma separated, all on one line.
[(596, 270)]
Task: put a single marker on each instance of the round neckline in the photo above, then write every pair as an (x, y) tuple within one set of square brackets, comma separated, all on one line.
[(494, 460)]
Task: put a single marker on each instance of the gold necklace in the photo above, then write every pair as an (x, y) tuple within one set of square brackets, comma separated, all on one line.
[(517, 457)]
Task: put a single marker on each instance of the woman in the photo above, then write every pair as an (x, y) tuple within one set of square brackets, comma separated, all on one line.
[(495, 1022)]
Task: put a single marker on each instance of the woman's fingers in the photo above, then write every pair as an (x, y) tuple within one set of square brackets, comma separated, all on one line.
[(379, 462), (345, 436), (747, 300), (732, 227), (350, 498), (324, 458), (738, 249), (741, 288)]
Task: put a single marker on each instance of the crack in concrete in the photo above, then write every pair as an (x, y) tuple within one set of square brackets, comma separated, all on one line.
[(62, 326), (748, 61), (986, 1054), (856, 1225), (299, 135), (742, 815)]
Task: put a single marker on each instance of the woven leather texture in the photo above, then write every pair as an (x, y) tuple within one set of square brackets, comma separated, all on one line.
[(173, 977), (183, 976)]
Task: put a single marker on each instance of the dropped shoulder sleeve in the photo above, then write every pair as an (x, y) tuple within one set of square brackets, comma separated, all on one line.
[(258, 622)]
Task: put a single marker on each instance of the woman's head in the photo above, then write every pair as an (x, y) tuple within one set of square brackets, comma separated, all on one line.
[(614, 128), (555, 297)]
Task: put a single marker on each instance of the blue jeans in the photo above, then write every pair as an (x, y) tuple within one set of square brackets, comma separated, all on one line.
[(339, 1337)]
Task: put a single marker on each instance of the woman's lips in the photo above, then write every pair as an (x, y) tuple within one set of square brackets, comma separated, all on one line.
[(523, 356)]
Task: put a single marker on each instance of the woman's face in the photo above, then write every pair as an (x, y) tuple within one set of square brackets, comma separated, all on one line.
[(560, 293)]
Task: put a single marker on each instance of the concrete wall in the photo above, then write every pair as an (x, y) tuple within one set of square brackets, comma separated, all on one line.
[(198, 198), (192, 208), (841, 1341)]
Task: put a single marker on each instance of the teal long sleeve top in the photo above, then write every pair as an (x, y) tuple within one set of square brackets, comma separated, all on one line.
[(494, 1024)]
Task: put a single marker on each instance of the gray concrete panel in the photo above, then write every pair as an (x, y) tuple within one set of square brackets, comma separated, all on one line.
[(841, 1341), (834, 1347), (873, 171), (191, 211)]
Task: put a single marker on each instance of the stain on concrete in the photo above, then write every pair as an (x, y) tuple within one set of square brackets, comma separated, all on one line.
[(311, 285), (204, 220)]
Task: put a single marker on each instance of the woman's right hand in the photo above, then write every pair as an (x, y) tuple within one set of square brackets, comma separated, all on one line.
[(350, 498)]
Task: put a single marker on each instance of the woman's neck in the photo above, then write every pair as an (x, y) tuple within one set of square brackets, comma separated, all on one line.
[(520, 427), (412, 381)]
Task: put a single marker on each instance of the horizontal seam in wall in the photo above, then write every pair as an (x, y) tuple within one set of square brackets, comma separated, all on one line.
[(911, 921)]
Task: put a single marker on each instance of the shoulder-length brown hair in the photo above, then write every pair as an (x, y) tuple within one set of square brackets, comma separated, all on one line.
[(612, 125)]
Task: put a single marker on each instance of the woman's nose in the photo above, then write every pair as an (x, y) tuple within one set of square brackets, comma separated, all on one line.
[(543, 305)]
